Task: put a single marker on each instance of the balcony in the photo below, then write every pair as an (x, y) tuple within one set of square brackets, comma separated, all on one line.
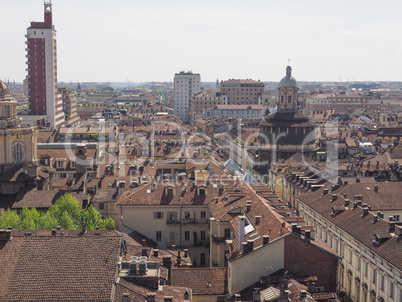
[(187, 221), (218, 240)]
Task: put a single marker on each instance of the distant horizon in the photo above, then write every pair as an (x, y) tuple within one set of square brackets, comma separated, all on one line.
[(138, 41)]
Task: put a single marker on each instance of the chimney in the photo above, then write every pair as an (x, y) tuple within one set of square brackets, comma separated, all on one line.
[(242, 225), (173, 247), (244, 247), (167, 261), (391, 228), (376, 188), (151, 297), (378, 164), (365, 212), (185, 253), (324, 191), (126, 297), (248, 205), (398, 231), (250, 245), (265, 239), (257, 219), (298, 228), (144, 242), (307, 234), (375, 219), (345, 195), (334, 197), (168, 299), (237, 298), (347, 202), (379, 214), (303, 294), (144, 252), (156, 253), (294, 227)]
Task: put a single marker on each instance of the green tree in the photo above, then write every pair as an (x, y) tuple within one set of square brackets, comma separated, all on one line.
[(10, 218), (66, 212)]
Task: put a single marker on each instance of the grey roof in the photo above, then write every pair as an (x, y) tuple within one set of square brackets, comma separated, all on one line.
[(231, 165), (288, 81), (249, 178)]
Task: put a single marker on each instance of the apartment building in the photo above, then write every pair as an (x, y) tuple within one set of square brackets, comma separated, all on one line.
[(241, 92), (186, 85)]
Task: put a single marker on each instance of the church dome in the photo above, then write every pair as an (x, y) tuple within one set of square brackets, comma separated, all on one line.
[(4, 91), (288, 80)]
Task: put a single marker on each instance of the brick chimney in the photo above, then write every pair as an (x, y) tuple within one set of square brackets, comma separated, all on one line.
[(391, 227), (250, 245), (151, 297), (156, 253), (265, 239), (248, 205), (126, 297), (257, 219)]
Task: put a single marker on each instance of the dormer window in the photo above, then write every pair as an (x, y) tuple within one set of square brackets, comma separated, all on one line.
[(73, 164), (169, 191), (60, 163), (202, 191)]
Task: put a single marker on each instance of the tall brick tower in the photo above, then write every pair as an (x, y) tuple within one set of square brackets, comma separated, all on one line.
[(45, 104)]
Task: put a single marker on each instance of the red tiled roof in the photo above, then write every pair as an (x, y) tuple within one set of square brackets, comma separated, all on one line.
[(203, 281), (70, 266)]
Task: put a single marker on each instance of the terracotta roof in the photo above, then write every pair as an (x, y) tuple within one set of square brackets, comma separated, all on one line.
[(33, 198), (69, 266), (203, 281), (271, 223), (138, 292), (360, 227), (146, 195)]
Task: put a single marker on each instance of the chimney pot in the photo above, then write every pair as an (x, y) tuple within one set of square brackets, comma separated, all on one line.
[(298, 228), (334, 197), (126, 297), (151, 297), (156, 253), (257, 219), (265, 239), (294, 227), (324, 191), (248, 205), (391, 227), (173, 247), (307, 234), (250, 245)]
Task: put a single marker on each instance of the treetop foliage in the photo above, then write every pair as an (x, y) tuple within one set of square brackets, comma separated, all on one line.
[(66, 212)]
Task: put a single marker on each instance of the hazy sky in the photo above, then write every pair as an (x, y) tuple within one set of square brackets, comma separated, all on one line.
[(148, 40)]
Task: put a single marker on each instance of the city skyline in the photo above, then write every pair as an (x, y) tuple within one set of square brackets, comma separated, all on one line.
[(139, 42)]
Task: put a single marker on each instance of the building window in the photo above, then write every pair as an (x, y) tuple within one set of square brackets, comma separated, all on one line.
[(203, 214), (7, 110), (158, 215), (202, 235), (18, 155), (374, 276), (101, 206), (366, 266), (202, 259), (73, 163), (391, 290), (351, 256), (227, 233), (382, 282), (158, 235), (187, 235)]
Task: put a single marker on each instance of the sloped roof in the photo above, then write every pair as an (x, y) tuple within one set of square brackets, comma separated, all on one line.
[(69, 266), (231, 165)]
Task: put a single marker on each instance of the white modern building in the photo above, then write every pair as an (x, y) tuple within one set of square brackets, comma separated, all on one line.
[(186, 84)]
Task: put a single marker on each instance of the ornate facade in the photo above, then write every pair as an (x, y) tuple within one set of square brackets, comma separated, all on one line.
[(17, 142)]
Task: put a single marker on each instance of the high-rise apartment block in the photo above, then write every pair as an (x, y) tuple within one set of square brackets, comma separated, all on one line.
[(45, 103), (242, 92), (186, 84)]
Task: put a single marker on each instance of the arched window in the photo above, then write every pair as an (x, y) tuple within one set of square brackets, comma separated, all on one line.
[(18, 156)]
